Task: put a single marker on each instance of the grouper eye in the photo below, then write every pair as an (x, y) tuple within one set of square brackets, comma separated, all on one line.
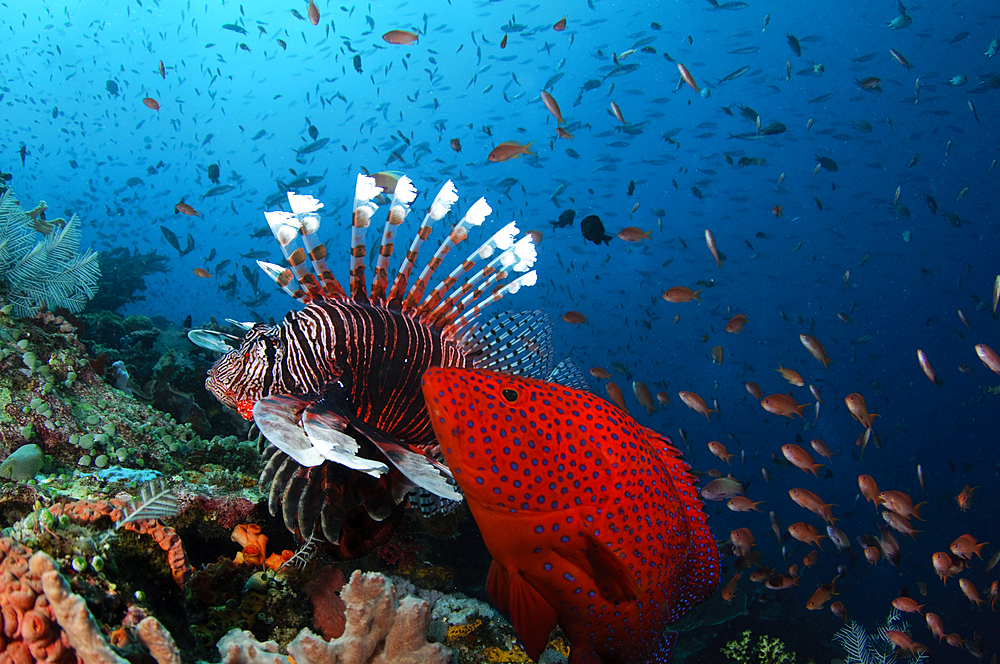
[(509, 395)]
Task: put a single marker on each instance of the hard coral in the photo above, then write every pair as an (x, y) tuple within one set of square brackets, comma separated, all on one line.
[(377, 629), (43, 621)]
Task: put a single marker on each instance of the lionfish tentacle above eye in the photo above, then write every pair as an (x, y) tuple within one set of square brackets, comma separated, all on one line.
[(445, 198), (364, 194), (402, 196)]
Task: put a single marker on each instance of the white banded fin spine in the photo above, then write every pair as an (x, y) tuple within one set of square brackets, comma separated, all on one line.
[(403, 195), (446, 197), (365, 192)]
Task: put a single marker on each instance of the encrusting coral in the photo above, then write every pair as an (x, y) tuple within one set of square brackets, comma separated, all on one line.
[(377, 631)]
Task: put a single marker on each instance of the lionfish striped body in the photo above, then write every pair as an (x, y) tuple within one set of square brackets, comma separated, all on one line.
[(335, 387)]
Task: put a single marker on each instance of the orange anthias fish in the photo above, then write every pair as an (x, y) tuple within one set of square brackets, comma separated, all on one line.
[(814, 346), (313, 12), (186, 209), (777, 210), (509, 150), (400, 37), (553, 106), (151, 103), (736, 323), (560, 25), (679, 294), (611, 581)]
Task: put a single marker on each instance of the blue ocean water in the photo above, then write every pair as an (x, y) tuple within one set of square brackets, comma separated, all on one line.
[(873, 278)]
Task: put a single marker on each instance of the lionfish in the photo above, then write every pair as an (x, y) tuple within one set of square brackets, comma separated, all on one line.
[(335, 387)]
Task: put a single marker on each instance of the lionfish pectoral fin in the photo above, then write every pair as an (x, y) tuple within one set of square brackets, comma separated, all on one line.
[(277, 417), (512, 343), (325, 429), (422, 471)]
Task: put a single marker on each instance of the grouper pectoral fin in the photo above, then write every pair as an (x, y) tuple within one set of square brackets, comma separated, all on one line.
[(615, 581), (532, 616)]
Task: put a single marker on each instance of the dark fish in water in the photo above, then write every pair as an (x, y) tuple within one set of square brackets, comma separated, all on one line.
[(773, 129), (134, 182), (827, 163), (746, 50), (593, 230), (959, 37), (313, 132), (235, 28), (312, 147), (748, 113), (752, 161), (820, 99), (112, 88), (793, 43), (346, 424), (218, 191), (565, 219), (213, 173), (631, 187), (172, 240), (863, 126), (304, 181), (931, 203), (357, 63), (612, 600), (736, 74), (259, 134), (865, 58)]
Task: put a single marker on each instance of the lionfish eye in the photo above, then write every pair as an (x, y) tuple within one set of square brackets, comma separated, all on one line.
[(509, 395)]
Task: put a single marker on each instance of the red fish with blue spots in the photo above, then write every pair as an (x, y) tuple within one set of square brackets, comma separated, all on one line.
[(593, 520)]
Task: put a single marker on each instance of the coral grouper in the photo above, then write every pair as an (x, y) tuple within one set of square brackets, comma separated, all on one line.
[(593, 520)]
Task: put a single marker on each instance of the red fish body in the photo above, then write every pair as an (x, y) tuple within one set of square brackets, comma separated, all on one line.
[(593, 521)]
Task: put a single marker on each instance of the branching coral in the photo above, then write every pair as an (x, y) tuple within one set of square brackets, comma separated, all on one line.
[(47, 272), (766, 650)]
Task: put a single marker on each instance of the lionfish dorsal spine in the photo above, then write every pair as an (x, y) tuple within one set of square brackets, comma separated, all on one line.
[(502, 240), (283, 277), (517, 256), (364, 207), (285, 228), (445, 198), (402, 196), (526, 279), (304, 208), (474, 216)]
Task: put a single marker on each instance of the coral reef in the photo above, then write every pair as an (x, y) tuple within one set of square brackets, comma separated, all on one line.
[(123, 277), (377, 629), (43, 272)]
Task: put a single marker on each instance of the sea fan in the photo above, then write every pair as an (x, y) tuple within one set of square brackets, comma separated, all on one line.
[(156, 501), (864, 649), (47, 272)]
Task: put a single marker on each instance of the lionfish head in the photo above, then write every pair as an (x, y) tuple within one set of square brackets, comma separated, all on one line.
[(237, 378)]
